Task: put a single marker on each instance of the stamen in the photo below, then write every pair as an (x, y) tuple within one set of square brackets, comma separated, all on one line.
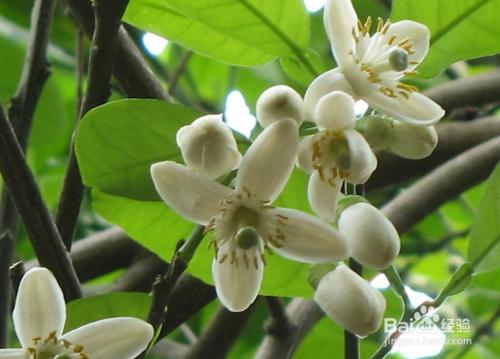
[(380, 24), (360, 26), (403, 42), (406, 87), (391, 40), (354, 35), (387, 91), (367, 26), (222, 258), (386, 27)]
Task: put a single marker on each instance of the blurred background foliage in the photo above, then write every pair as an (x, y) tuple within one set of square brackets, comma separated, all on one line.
[(219, 66)]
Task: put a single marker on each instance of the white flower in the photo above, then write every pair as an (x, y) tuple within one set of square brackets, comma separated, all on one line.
[(243, 218), (39, 317), (350, 301), (208, 145), (373, 240), (279, 102), (335, 154), (370, 67)]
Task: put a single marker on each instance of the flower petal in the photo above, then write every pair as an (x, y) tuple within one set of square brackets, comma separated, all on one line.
[(362, 159), (419, 35), (304, 157), (268, 162), (187, 191), (335, 111), (417, 110), (123, 338), (39, 308), (340, 20), (329, 81), (14, 354), (307, 238), (237, 282), (323, 197)]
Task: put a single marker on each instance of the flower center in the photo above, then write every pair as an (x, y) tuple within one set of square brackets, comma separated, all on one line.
[(331, 156), (381, 59), (55, 348)]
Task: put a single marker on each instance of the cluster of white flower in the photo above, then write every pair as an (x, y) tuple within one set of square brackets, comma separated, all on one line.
[(370, 67)]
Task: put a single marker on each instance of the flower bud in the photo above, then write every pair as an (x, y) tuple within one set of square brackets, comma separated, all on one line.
[(372, 238), (279, 102), (414, 142), (375, 129), (350, 301), (208, 145)]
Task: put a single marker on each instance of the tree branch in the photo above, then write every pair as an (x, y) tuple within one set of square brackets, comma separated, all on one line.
[(23, 103), (470, 91), (443, 184), (454, 138), (132, 73), (42, 231), (108, 14), (220, 334)]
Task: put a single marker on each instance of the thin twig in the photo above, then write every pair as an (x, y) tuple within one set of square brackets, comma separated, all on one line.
[(186, 56), (25, 194), (108, 14)]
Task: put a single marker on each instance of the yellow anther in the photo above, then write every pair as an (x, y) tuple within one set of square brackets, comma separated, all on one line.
[(387, 91), (380, 24), (391, 40), (406, 87), (367, 26)]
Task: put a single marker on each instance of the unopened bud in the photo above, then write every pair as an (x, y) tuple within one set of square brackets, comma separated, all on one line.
[(350, 301), (372, 238), (414, 142), (279, 102), (208, 145), (375, 129)]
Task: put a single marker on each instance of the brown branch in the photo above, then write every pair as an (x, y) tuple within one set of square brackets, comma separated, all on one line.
[(303, 314), (278, 324), (443, 184), (108, 14), (351, 341), (220, 334), (454, 138), (25, 194), (132, 73), (470, 91), (23, 103)]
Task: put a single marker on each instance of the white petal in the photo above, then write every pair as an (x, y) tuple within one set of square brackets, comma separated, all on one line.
[(304, 157), (362, 159), (208, 145), (307, 238), (372, 238), (14, 354), (237, 282), (340, 20), (414, 142), (418, 33), (335, 111), (269, 161), (332, 80), (123, 338), (350, 301), (417, 110), (39, 308), (187, 191), (279, 102), (323, 197)]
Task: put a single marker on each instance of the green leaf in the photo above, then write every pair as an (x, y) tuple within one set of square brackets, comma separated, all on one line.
[(239, 32), (485, 232), (158, 228), (460, 29), (117, 143), (119, 304)]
